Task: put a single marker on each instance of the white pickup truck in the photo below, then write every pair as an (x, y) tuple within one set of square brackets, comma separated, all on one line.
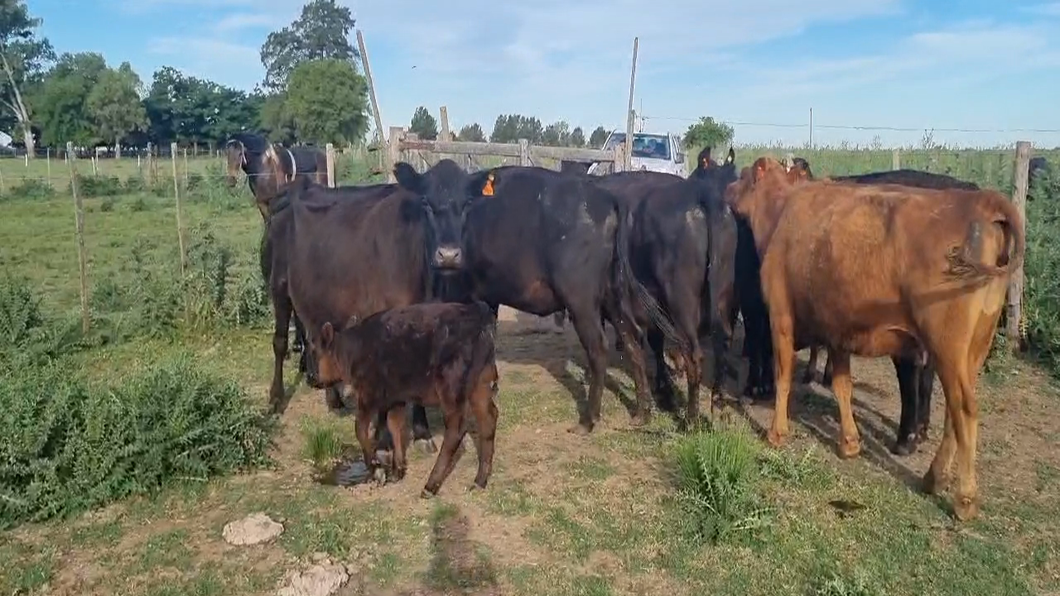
[(655, 152)]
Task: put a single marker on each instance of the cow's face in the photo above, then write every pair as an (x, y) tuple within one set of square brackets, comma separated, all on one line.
[(799, 171), (322, 365), (444, 192), (235, 156)]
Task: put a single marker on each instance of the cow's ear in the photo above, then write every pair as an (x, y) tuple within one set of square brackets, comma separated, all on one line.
[(327, 335), (731, 157), (760, 170), (481, 184), (408, 178)]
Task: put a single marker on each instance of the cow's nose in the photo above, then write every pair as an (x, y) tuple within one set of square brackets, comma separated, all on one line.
[(447, 256)]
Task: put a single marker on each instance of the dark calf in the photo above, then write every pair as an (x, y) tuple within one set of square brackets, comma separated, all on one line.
[(437, 354)]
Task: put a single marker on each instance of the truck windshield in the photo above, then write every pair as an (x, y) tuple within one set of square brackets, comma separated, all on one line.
[(644, 145)]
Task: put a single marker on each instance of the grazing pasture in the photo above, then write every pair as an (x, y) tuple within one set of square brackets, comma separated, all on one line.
[(172, 369)]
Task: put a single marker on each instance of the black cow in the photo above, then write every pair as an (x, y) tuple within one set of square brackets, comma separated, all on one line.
[(916, 375), (345, 252), (540, 242)]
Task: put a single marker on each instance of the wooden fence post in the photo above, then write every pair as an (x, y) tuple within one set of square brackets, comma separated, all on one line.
[(627, 156), (444, 134), (1015, 287), (180, 223), (393, 151), (150, 159), (896, 159), (79, 231), (524, 153), (185, 168), (48, 159), (329, 154)]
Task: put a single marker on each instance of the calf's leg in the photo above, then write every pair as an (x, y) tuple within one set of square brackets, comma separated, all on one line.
[(454, 434), (591, 334), (484, 408), (925, 386), (395, 421), (906, 370), (364, 436), (811, 366)]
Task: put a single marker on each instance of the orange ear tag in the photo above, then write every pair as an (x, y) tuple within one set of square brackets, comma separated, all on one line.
[(487, 190)]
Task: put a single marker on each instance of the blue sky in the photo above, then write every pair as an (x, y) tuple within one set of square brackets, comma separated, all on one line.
[(942, 64)]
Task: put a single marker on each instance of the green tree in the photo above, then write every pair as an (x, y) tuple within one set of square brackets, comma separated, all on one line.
[(556, 134), (320, 33), (60, 101), (328, 102), (424, 125), (472, 133), (191, 110), (23, 57), (276, 120), (577, 137), (114, 105), (708, 133), (598, 137)]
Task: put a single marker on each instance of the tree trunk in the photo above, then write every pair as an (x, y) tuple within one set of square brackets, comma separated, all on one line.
[(27, 136)]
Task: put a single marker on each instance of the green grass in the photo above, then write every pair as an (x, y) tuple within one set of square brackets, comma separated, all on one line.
[(567, 515)]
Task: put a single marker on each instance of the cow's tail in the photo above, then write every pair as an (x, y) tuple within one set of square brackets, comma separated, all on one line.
[(966, 260), (628, 281)]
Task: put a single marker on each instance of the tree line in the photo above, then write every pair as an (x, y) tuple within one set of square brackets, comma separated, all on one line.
[(312, 93)]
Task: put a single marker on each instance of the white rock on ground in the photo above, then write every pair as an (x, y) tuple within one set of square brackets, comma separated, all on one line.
[(321, 579), (252, 529)]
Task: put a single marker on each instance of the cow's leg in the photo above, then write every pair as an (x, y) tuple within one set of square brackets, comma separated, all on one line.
[(630, 333), (421, 431), (591, 334), (783, 339), (843, 388), (299, 337), (829, 369), (395, 421), (282, 321), (454, 434), (925, 387), (958, 441), (484, 408), (811, 366), (664, 384), (906, 370)]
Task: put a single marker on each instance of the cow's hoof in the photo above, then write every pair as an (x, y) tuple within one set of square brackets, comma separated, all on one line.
[(640, 419), (775, 438), (905, 447), (425, 445), (965, 508), (934, 485), (580, 429), (426, 494), (849, 448), (380, 475), (922, 434)]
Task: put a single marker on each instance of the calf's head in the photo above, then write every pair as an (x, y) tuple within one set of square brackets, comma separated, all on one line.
[(444, 193), (758, 196), (322, 366)]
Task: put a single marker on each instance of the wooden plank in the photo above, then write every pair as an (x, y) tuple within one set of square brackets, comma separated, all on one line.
[(571, 153), (1015, 287), (394, 151), (444, 134), (463, 147), (79, 232)]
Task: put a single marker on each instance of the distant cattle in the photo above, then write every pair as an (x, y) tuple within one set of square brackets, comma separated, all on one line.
[(270, 166), (355, 251), (439, 354), (878, 270), (540, 241)]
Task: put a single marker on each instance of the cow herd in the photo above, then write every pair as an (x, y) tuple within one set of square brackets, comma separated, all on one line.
[(388, 286)]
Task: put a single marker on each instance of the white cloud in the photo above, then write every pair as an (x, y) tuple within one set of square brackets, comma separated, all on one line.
[(240, 21)]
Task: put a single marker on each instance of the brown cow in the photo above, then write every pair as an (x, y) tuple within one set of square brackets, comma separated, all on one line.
[(434, 354), (878, 270)]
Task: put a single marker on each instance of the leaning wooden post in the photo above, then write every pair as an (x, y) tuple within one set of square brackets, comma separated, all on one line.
[(79, 231), (629, 109), (896, 159), (375, 101), (330, 155), (1015, 286), (180, 223), (393, 151), (444, 134), (185, 168)]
